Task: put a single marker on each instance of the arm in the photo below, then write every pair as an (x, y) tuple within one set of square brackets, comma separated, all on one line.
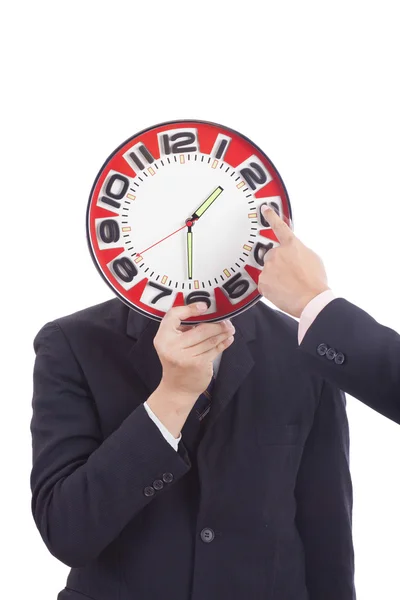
[(371, 370), (324, 502), (293, 275), (86, 489)]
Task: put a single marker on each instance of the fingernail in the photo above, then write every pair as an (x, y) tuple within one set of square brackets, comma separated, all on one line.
[(201, 306)]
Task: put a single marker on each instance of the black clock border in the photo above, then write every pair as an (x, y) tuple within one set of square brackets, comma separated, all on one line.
[(136, 135)]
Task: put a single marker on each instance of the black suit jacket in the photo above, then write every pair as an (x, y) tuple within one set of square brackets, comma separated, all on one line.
[(371, 367), (271, 478)]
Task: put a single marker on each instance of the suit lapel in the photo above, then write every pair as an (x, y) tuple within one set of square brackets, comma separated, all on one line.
[(143, 355), (235, 366)]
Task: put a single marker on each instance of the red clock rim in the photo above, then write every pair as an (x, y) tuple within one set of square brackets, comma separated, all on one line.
[(109, 158)]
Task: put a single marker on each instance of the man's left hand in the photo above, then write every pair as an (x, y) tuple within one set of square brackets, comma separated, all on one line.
[(292, 274)]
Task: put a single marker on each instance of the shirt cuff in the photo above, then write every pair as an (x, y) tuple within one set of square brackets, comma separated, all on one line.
[(167, 434), (312, 310)]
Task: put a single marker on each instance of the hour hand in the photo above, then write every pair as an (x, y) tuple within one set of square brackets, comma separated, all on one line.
[(207, 203)]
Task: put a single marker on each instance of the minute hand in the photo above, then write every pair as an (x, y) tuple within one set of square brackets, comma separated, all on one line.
[(207, 203)]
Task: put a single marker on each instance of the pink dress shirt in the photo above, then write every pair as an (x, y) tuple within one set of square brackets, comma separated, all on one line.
[(312, 310)]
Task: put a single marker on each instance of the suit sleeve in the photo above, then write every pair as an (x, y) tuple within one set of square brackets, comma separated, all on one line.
[(324, 502), (371, 367), (85, 489)]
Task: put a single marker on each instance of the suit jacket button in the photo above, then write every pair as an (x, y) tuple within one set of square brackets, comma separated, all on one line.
[(207, 535), (322, 349), (149, 491), (331, 354), (339, 358), (168, 478), (158, 484)]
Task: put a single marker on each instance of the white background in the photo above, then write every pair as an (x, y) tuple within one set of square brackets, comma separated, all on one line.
[(315, 84)]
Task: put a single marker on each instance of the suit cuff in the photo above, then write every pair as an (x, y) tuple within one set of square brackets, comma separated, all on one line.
[(312, 310), (167, 434)]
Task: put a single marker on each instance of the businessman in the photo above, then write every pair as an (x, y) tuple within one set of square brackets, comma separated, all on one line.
[(189, 463), (340, 341)]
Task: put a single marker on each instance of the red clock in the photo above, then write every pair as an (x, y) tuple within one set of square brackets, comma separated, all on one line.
[(174, 217)]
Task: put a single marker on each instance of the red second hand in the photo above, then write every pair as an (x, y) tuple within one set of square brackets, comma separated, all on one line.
[(159, 242)]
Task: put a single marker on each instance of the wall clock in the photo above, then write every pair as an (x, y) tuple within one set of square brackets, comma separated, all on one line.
[(174, 217)]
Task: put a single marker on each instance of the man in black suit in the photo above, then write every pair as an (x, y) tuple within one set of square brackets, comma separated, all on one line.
[(149, 486), (340, 341)]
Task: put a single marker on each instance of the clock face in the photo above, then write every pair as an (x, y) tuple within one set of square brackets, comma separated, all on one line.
[(174, 217)]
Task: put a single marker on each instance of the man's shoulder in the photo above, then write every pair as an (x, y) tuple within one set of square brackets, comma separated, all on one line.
[(276, 319), (109, 311), (111, 314)]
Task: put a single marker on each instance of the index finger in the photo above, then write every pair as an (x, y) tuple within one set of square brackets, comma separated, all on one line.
[(175, 315), (278, 226)]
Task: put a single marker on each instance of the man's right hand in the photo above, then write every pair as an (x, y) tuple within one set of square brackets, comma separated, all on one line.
[(187, 352)]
